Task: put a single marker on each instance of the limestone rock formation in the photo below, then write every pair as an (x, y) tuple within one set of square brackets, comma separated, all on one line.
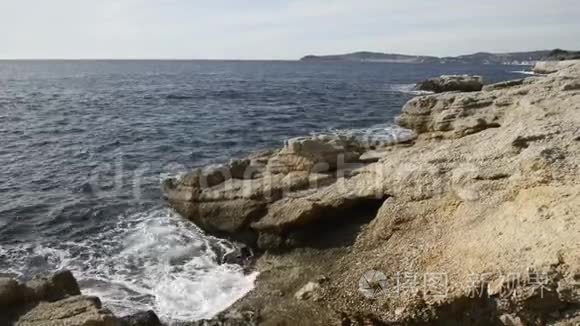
[(56, 300), (452, 114), (268, 204), (549, 67), (474, 223), (451, 83), (76, 310)]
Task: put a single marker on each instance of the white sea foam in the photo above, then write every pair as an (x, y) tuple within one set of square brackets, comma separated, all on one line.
[(152, 260), (408, 89), (376, 136), (524, 72)]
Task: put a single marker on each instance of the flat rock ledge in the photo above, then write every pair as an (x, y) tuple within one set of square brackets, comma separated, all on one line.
[(56, 300), (476, 221)]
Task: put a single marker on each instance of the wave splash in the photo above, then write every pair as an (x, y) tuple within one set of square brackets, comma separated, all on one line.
[(524, 72), (408, 89), (152, 260), (379, 135)]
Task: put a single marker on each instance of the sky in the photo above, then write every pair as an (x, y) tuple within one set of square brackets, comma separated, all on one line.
[(276, 29)]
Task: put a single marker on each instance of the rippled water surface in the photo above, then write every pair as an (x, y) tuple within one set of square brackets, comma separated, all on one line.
[(83, 146)]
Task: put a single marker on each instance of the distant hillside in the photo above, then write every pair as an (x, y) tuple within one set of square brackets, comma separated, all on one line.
[(559, 55), (524, 58), (373, 57), (499, 58)]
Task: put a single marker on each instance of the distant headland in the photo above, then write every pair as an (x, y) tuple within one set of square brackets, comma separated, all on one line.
[(515, 58)]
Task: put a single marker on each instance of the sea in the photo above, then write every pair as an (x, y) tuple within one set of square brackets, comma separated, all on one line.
[(85, 144)]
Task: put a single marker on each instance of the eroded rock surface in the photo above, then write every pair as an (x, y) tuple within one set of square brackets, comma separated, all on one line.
[(478, 220), (453, 115), (76, 310), (549, 67), (307, 182)]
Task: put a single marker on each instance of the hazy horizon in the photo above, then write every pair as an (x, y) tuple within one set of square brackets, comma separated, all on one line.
[(279, 30), (254, 59)]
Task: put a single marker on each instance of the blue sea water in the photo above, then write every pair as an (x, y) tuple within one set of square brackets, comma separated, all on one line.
[(84, 145)]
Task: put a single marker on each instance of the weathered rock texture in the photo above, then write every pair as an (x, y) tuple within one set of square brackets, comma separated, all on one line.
[(451, 83), (56, 300), (548, 67), (479, 220), (76, 310), (268, 199)]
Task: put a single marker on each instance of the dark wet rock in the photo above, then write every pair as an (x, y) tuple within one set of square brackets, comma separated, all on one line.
[(239, 256), (13, 293), (453, 83), (145, 318), (55, 287), (41, 288), (239, 169)]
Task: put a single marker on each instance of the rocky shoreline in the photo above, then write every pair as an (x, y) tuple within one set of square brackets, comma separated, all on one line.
[(465, 213), (471, 219), (56, 300)]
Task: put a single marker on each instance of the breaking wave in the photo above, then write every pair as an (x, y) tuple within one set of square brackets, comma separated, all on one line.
[(524, 72), (153, 260), (408, 89), (376, 136), (127, 123)]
